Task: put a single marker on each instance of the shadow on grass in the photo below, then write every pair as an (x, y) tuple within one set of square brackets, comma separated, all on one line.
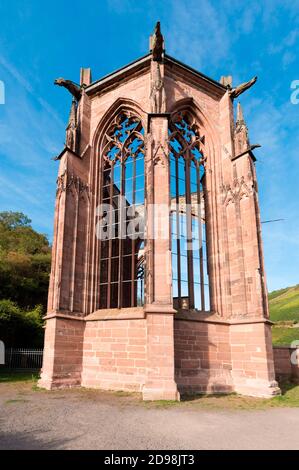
[(289, 398), (289, 395), (199, 396), (14, 375)]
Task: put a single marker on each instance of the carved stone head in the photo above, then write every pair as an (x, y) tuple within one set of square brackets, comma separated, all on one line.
[(59, 81)]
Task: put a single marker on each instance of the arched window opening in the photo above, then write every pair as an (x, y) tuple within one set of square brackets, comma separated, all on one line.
[(188, 225), (121, 234)]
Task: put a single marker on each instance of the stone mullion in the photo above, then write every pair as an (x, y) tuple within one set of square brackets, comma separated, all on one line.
[(160, 381), (189, 232), (94, 241), (178, 231), (87, 258), (149, 202), (214, 230), (121, 225), (111, 228), (52, 284), (75, 233), (134, 259), (200, 241), (60, 251)]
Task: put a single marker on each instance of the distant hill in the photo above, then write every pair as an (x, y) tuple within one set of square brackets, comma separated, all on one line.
[(284, 304)]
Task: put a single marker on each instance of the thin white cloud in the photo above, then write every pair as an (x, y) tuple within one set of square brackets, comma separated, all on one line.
[(275, 127), (15, 74), (186, 26), (28, 88), (7, 185), (30, 134)]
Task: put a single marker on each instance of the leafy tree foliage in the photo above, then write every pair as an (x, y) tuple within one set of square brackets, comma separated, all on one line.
[(20, 328), (14, 219), (25, 260)]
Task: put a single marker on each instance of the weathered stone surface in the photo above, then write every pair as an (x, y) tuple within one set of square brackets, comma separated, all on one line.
[(152, 350)]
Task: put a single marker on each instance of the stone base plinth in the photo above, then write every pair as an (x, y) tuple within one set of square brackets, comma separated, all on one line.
[(160, 391), (256, 388), (62, 361), (160, 354)]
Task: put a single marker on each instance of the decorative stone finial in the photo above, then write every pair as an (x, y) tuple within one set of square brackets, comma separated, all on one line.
[(226, 81), (85, 77), (71, 130), (241, 132), (157, 43), (240, 117)]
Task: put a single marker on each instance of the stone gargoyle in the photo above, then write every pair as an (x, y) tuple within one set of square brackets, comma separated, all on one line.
[(72, 87)]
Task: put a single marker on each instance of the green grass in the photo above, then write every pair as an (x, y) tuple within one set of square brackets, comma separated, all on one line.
[(289, 396), (284, 336), (284, 304), (234, 402), (17, 400), (276, 293), (284, 307), (7, 376)]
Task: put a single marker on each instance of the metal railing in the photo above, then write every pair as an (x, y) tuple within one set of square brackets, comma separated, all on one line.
[(23, 358)]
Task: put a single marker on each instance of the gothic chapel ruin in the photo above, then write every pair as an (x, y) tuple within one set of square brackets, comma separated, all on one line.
[(166, 305)]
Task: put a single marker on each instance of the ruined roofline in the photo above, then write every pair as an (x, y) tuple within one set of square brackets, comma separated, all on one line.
[(195, 72), (131, 67), (141, 63)]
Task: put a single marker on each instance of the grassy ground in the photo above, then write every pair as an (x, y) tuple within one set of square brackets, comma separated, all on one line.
[(10, 376), (289, 397), (284, 336), (284, 307), (284, 304)]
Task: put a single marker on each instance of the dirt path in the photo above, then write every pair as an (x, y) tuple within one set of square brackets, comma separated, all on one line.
[(88, 419)]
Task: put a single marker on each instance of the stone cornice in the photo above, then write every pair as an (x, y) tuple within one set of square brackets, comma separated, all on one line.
[(186, 70), (119, 75), (65, 316), (132, 313), (208, 317), (66, 149), (139, 65), (139, 313)]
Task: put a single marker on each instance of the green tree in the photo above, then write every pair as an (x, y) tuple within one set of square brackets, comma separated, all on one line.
[(14, 219), (20, 328), (25, 261)]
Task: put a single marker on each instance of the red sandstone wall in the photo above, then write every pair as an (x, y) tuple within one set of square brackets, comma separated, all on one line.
[(207, 355), (284, 368), (215, 357), (62, 363), (114, 356), (202, 357), (251, 345)]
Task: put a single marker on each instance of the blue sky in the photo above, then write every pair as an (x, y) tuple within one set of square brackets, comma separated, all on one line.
[(42, 40)]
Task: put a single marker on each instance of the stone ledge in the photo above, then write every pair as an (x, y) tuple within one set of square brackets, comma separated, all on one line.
[(212, 317), (159, 308), (131, 313), (64, 316)]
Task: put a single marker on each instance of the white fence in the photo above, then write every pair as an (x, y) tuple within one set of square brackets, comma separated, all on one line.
[(23, 358)]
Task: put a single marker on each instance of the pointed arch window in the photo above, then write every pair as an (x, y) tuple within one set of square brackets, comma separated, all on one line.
[(187, 188), (121, 270)]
